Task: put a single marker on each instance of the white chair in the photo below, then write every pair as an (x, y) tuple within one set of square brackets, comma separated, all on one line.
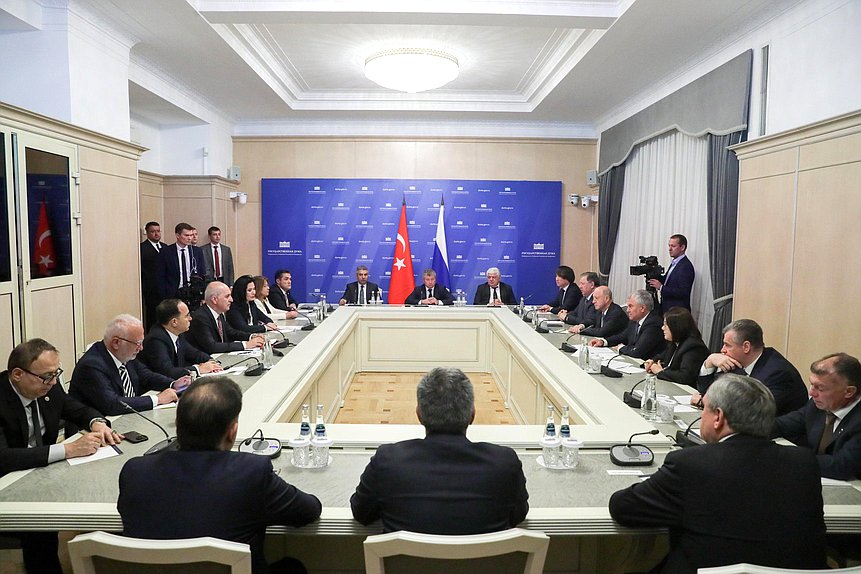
[(87, 552), (533, 544), (744, 568)]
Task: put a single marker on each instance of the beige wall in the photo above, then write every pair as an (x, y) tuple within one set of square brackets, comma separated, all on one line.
[(549, 160), (798, 264)]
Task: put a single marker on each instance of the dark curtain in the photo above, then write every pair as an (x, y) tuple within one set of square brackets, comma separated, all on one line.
[(723, 218), (609, 215)]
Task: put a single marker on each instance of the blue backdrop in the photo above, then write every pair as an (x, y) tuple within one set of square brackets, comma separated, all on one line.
[(321, 229)]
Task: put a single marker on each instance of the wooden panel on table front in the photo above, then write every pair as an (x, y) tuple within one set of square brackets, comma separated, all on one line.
[(764, 255), (525, 398), (393, 345), (52, 319), (827, 265)]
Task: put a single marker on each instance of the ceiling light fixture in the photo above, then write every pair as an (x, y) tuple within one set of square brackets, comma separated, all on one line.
[(411, 70)]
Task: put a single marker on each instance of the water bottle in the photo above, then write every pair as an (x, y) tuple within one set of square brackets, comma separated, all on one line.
[(267, 353), (324, 306), (649, 401), (305, 427), (565, 424), (319, 423), (583, 354), (550, 424), (521, 307)]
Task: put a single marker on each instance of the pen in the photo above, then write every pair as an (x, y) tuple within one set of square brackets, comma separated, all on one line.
[(116, 448)]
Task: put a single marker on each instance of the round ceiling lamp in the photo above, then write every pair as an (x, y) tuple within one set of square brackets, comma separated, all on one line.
[(411, 70)]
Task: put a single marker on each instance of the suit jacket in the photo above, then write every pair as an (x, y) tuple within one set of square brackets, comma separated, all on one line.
[(644, 345), (842, 458), (96, 382), (229, 495), (149, 269), (169, 269), (351, 294), (682, 364), (226, 262), (676, 290), (442, 484), (238, 321), (160, 355), (569, 303), (278, 300), (584, 313), (438, 291), (203, 334), (776, 373), (746, 499), (614, 320), (506, 294), (15, 433)]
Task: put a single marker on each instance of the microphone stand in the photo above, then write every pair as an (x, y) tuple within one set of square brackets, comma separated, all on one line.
[(565, 347), (169, 442), (628, 397), (633, 454), (686, 439)]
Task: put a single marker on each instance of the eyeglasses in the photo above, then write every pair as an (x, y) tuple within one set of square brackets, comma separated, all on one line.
[(135, 343), (47, 377)]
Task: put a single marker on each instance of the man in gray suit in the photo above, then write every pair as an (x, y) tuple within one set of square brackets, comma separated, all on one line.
[(217, 258)]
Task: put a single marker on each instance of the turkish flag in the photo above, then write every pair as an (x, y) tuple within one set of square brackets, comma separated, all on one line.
[(44, 256), (403, 282)]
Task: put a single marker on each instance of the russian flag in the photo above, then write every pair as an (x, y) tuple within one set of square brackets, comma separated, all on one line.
[(440, 251)]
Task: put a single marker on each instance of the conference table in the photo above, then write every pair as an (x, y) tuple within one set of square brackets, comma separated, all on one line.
[(568, 505)]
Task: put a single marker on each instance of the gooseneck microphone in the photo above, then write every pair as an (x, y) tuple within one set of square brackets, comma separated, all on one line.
[(608, 372), (633, 454), (686, 439), (283, 343), (250, 371), (310, 326), (169, 442), (565, 347), (629, 398)]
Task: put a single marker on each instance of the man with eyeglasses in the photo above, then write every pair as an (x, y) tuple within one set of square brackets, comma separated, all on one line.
[(31, 407), (108, 377)]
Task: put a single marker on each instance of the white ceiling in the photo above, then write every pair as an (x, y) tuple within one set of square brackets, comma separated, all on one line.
[(544, 61)]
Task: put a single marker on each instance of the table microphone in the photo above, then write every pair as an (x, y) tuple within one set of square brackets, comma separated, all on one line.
[(628, 397), (633, 454), (565, 347), (685, 439), (169, 442), (608, 372), (310, 326), (250, 371), (282, 344)]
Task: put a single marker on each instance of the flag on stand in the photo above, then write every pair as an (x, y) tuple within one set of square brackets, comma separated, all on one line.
[(403, 281), (44, 256), (440, 251)]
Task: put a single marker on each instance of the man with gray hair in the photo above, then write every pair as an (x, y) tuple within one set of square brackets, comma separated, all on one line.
[(739, 498), (494, 293), (109, 374), (444, 483), (643, 337)]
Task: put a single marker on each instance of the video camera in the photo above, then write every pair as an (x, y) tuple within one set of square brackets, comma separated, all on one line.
[(649, 267), (192, 294)]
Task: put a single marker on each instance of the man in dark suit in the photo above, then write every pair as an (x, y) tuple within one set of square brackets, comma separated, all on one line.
[(568, 295), (108, 374), (150, 249), (744, 353), (494, 293), (444, 483), (31, 399), (429, 293), (214, 492), (217, 258), (281, 296), (675, 286), (361, 291), (830, 423), (610, 319), (180, 263), (643, 337), (584, 315), (210, 331), (739, 498), (165, 349)]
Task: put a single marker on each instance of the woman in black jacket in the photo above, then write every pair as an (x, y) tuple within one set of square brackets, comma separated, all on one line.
[(243, 313), (681, 360)]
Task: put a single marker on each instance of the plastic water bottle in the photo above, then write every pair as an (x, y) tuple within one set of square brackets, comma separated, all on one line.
[(649, 401), (565, 424), (305, 427)]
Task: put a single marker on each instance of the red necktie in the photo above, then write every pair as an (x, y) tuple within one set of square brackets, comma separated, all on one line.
[(217, 262)]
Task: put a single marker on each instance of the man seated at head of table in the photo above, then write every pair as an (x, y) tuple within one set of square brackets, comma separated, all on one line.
[(494, 293), (642, 338), (743, 352), (681, 360), (830, 423), (610, 318), (210, 332), (213, 491), (244, 315), (110, 379), (567, 296), (361, 291), (166, 349), (281, 296), (584, 313), (32, 405), (429, 292), (443, 483), (739, 498)]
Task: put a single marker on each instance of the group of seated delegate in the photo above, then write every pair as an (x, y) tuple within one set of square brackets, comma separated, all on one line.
[(739, 498)]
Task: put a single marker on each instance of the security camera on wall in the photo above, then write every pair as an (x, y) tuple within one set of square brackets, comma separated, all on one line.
[(585, 201), (573, 198)]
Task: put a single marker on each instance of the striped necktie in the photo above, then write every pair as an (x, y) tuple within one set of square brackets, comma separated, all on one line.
[(128, 389)]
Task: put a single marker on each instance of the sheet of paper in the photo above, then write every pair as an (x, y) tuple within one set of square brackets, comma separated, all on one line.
[(103, 452), (289, 328), (246, 353), (614, 472), (835, 482)]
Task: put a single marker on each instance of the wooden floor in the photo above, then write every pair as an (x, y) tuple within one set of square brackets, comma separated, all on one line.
[(390, 398)]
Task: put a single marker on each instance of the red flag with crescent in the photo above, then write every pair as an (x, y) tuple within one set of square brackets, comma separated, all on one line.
[(44, 256), (403, 281)]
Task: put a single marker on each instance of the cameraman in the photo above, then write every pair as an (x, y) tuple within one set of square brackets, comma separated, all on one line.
[(675, 286)]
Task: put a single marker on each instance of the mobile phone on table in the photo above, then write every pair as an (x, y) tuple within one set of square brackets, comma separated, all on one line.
[(135, 437)]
